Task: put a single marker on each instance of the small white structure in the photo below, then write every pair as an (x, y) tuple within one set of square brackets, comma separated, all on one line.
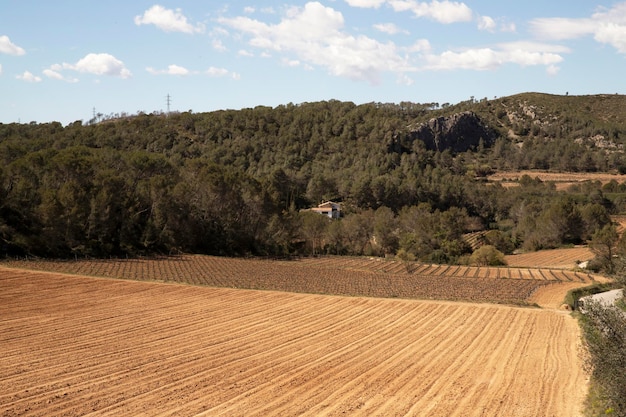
[(329, 208)]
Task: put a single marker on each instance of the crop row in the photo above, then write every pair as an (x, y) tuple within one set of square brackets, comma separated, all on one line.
[(353, 278)]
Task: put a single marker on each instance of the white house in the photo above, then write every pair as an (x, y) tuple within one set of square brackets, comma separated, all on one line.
[(330, 209)]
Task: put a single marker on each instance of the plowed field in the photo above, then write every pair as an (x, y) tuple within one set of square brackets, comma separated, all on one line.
[(78, 346), (562, 180), (329, 275), (552, 258)]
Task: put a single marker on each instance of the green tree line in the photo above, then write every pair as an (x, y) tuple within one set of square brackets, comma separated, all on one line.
[(236, 182)]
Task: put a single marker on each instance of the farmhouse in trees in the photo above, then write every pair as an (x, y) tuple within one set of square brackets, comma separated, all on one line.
[(329, 208)]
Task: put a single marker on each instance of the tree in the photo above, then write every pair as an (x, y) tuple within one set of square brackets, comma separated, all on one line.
[(408, 259), (385, 230), (313, 228), (487, 255), (605, 336), (603, 245)]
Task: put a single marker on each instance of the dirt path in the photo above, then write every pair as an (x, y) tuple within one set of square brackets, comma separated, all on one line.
[(75, 346)]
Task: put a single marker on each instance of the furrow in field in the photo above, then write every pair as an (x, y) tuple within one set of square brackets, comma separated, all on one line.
[(336, 355), (357, 372), (100, 347), (178, 381), (448, 378), (378, 392), (146, 367)]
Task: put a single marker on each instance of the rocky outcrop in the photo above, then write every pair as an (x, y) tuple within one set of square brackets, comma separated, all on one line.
[(459, 133)]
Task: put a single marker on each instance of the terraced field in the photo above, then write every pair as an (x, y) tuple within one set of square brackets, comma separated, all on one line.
[(83, 346), (367, 277), (565, 258)]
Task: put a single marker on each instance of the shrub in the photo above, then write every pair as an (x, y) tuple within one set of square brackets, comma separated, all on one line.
[(605, 336), (487, 255)]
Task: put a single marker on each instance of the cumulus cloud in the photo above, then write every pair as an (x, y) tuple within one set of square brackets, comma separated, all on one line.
[(96, 64), (607, 26), (366, 3), (222, 72), (440, 11), (8, 47), (29, 77), (315, 35), (553, 70), (171, 70), (100, 64), (420, 45), (389, 28), (486, 23), (55, 74), (167, 20), (480, 59), (218, 45)]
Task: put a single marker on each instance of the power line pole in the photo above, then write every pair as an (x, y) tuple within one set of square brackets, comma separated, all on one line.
[(169, 100)]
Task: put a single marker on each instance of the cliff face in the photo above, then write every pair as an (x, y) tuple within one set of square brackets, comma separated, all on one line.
[(459, 133)]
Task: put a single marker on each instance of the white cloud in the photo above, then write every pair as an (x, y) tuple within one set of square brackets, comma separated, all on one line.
[(420, 45), (167, 20), (315, 35), (481, 59), (29, 77), (552, 70), (486, 23), (101, 64), (53, 72), (366, 3), (389, 28), (221, 72), (535, 47), (508, 27), (607, 26), (171, 70), (218, 45), (249, 9), (441, 11), (50, 73), (557, 28), (291, 62), (97, 64), (8, 47), (404, 79), (612, 34), (475, 59), (243, 52)]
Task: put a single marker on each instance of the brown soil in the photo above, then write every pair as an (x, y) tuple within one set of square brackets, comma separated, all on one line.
[(553, 296), (76, 346), (565, 258), (562, 180), (365, 277)]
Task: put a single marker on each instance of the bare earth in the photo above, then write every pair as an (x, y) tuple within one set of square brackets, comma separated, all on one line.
[(75, 346), (565, 258), (562, 180)]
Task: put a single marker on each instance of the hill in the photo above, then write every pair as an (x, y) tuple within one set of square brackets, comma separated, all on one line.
[(408, 176)]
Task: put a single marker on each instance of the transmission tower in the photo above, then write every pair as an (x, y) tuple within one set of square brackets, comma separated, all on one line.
[(169, 100)]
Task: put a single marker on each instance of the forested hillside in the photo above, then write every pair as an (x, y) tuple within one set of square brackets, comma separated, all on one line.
[(236, 182)]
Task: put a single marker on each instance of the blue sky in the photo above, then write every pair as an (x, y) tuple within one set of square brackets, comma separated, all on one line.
[(60, 60)]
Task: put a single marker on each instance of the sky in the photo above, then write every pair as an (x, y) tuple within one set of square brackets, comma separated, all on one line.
[(68, 60)]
